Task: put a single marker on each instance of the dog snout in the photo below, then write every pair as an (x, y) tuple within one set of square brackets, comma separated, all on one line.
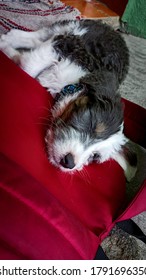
[(68, 161)]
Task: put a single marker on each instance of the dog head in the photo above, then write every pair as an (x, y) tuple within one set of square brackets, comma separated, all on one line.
[(85, 127)]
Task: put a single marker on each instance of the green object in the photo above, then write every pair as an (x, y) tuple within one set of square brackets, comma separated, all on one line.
[(134, 18)]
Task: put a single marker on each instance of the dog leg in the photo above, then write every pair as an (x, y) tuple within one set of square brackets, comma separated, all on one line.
[(10, 42), (50, 79), (127, 159), (23, 39), (10, 52), (35, 61), (59, 75)]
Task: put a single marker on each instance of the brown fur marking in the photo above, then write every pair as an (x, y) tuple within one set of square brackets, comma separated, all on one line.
[(73, 106)]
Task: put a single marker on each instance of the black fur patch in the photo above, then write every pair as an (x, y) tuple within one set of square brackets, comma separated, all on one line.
[(99, 47), (70, 46)]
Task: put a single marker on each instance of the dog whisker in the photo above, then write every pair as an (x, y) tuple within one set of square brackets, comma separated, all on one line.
[(47, 119), (85, 176), (62, 122), (41, 123)]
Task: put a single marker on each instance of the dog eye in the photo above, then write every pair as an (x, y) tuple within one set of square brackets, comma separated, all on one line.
[(94, 157)]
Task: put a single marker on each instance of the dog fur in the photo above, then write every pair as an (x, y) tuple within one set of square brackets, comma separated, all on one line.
[(88, 125)]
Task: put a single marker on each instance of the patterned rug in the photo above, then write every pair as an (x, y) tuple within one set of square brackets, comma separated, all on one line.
[(33, 14)]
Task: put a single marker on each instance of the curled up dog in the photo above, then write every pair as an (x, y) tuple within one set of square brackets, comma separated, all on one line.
[(81, 63)]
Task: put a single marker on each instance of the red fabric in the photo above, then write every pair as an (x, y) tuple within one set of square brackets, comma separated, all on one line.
[(34, 225), (117, 6), (135, 122), (46, 214)]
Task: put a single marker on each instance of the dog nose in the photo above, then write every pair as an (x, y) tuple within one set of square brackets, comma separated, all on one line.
[(68, 161)]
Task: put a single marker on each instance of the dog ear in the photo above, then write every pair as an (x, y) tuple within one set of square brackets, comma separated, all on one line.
[(129, 153), (130, 156), (128, 160)]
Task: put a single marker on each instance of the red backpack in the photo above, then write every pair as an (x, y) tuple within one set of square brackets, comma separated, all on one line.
[(44, 213)]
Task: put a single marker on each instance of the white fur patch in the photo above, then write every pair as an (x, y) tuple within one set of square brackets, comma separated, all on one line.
[(8, 50), (73, 27), (60, 74), (129, 170), (35, 61), (21, 39)]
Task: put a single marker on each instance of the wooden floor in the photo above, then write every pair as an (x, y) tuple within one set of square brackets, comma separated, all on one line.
[(91, 9)]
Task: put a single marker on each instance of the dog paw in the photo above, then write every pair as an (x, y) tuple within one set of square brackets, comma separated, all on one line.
[(3, 45), (127, 159), (20, 39), (11, 37), (130, 172), (9, 51), (6, 46), (49, 79), (130, 156)]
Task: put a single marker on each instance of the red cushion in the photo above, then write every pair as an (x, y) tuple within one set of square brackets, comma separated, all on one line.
[(35, 225), (135, 122), (90, 199)]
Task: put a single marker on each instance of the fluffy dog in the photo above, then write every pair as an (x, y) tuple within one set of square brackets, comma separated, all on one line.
[(88, 124)]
